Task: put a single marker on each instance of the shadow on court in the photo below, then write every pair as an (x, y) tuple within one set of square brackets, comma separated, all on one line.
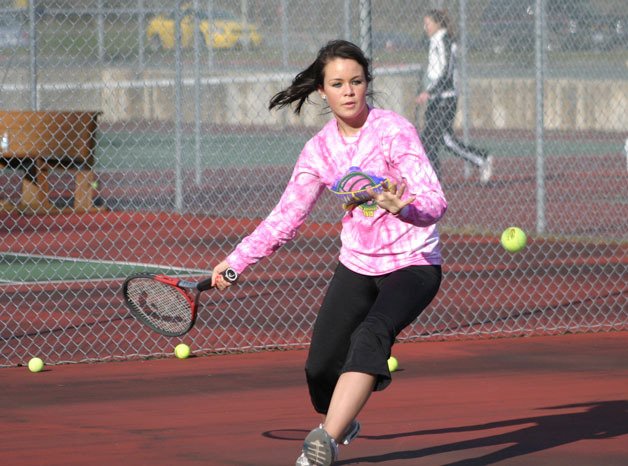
[(600, 420), (542, 401)]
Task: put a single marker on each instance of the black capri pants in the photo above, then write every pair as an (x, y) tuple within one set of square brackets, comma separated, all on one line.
[(357, 324), (439, 131)]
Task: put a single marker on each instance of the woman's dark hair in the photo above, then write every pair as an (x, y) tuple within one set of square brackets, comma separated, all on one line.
[(441, 17), (310, 79)]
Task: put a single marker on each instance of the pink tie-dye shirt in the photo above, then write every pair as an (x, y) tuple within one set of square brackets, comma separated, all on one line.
[(373, 243)]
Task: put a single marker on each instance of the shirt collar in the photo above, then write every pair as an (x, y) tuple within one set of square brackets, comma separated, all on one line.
[(439, 34)]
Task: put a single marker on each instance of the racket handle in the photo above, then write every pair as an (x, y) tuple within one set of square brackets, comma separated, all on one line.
[(230, 275)]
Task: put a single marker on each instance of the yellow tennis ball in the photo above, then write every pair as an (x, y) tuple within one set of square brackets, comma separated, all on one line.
[(182, 351), (35, 365), (393, 364), (514, 239)]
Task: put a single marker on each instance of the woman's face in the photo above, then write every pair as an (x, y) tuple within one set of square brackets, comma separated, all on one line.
[(345, 88), (430, 26)]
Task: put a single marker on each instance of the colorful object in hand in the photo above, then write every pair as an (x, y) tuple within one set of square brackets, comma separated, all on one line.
[(351, 189), (514, 239)]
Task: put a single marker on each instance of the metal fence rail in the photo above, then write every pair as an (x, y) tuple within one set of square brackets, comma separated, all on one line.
[(186, 159)]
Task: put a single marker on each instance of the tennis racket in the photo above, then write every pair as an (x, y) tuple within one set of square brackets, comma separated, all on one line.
[(166, 304), (351, 189)]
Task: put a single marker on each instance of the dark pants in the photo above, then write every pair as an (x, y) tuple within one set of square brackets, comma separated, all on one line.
[(438, 132), (358, 322)]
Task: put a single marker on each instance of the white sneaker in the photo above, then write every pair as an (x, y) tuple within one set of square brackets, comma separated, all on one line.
[(486, 170), (352, 432), (319, 449), (303, 461)]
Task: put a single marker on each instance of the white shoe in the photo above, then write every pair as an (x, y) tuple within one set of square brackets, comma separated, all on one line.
[(303, 461), (352, 432), (486, 170), (319, 449)]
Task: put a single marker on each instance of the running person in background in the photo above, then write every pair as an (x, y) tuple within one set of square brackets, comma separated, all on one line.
[(389, 265), (441, 97)]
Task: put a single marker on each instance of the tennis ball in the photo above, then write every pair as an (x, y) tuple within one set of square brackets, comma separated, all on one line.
[(35, 365), (182, 351), (514, 239), (393, 364)]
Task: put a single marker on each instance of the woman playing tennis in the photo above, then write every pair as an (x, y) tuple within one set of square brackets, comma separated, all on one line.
[(389, 263)]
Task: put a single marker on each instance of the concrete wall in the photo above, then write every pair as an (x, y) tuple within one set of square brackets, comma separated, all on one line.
[(570, 104), (122, 95)]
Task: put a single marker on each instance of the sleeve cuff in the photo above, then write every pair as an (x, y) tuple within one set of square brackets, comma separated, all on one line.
[(402, 212)]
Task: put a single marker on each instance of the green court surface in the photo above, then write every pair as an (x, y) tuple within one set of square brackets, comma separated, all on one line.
[(24, 268), (145, 151), (150, 150)]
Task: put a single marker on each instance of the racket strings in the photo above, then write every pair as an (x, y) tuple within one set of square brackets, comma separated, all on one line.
[(352, 188), (160, 305)]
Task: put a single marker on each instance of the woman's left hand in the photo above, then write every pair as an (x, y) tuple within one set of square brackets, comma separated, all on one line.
[(422, 98), (390, 198)]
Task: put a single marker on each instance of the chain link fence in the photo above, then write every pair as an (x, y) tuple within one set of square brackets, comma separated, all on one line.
[(136, 137)]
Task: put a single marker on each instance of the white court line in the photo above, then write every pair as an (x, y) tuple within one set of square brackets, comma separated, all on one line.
[(61, 282)]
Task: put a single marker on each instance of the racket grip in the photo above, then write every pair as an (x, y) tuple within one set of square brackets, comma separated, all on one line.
[(230, 275)]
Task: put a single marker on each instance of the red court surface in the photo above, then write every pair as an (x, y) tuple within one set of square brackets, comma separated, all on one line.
[(560, 400)]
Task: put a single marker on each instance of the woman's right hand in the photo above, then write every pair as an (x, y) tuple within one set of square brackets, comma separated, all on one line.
[(218, 281), (391, 197)]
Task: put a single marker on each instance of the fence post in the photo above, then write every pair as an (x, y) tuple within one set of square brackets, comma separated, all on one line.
[(178, 117), (197, 93), (540, 119), (365, 33), (100, 30), (33, 54), (464, 79), (141, 17)]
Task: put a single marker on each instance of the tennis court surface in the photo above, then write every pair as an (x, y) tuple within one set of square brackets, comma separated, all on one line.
[(557, 400)]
